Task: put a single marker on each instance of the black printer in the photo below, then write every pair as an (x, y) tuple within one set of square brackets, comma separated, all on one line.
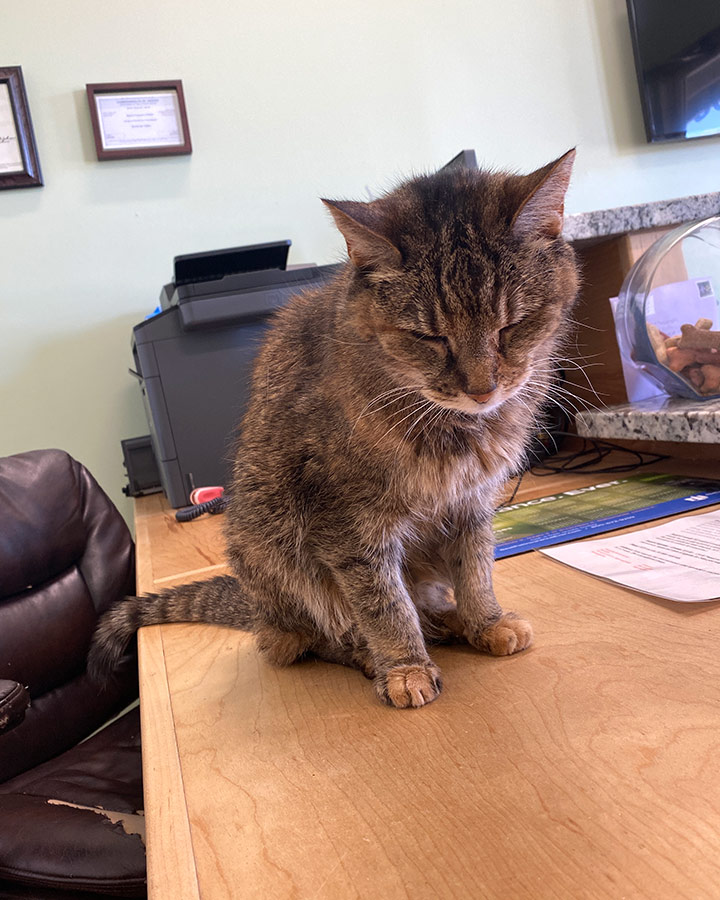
[(194, 356)]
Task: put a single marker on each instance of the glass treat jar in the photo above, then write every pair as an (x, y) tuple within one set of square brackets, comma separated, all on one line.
[(668, 311)]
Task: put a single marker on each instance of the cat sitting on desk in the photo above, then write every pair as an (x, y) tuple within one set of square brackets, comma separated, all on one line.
[(387, 410)]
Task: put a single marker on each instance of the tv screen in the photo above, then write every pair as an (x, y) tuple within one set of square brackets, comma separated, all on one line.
[(677, 57)]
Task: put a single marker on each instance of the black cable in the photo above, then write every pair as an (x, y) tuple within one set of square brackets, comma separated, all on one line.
[(514, 493), (573, 461), (188, 513), (597, 450)]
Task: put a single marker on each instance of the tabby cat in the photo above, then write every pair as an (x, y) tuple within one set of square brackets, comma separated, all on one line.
[(387, 410)]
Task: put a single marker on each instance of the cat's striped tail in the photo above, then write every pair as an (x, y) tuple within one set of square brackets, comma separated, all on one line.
[(219, 601)]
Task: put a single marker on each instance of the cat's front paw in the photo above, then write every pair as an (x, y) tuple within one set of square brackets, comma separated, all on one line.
[(409, 685), (509, 634)]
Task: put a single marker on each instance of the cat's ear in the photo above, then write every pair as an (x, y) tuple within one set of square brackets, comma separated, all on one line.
[(367, 248), (541, 212)]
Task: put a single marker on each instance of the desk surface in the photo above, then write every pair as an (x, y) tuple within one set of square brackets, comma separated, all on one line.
[(585, 767)]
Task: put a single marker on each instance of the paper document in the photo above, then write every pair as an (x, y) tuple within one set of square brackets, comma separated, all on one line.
[(679, 560)]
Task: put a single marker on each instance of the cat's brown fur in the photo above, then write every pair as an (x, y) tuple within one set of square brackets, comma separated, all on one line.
[(387, 410)]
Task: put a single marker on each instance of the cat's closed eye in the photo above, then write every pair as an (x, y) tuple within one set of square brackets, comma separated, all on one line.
[(438, 339), (511, 332), (504, 336)]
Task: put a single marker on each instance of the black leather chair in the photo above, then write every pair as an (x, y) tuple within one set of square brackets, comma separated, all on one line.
[(70, 808)]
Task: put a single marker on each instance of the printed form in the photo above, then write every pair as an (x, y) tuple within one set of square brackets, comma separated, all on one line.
[(678, 561)]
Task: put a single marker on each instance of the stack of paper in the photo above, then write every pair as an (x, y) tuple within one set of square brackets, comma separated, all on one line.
[(679, 560)]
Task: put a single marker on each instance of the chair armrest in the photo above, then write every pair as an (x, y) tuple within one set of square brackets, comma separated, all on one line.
[(14, 700)]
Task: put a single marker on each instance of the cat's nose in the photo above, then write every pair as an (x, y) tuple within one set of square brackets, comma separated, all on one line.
[(482, 398)]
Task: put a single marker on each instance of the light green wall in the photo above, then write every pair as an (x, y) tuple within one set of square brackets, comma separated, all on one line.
[(287, 102)]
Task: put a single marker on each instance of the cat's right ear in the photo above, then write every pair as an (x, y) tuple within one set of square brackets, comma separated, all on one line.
[(541, 212), (367, 248)]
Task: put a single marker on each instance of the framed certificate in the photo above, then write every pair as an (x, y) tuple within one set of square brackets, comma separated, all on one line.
[(139, 118), (19, 163)]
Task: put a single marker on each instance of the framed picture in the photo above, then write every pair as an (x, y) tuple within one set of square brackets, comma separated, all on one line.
[(139, 118), (19, 163)]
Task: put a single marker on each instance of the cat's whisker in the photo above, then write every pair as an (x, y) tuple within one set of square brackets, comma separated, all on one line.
[(377, 409), (419, 418), (563, 399), (394, 390), (551, 390), (524, 402), (429, 403), (412, 407), (581, 368), (568, 363), (534, 419), (402, 390), (578, 324), (552, 357), (439, 415), (548, 372), (570, 414), (558, 390), (421, 412), (543, 391)]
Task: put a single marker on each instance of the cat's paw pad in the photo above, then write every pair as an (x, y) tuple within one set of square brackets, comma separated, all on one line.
[(510, 634), (411, 685)]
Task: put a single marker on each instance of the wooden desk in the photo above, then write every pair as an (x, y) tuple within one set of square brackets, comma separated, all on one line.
[(586, 767)]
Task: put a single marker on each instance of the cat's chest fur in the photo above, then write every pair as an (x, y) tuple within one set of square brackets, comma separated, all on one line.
[(436, 486)]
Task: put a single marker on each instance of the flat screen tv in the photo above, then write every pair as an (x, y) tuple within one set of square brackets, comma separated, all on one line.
[(677, 57)]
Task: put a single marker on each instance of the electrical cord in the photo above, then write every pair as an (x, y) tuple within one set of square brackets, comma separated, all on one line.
[(594, 448), (574, 461), (214, 506)]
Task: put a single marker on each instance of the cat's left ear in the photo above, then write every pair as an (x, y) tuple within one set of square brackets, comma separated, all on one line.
[(541, 212), (358, 223)]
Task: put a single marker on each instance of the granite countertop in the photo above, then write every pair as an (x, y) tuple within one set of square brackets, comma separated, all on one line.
[(601, 223), (659, 418)]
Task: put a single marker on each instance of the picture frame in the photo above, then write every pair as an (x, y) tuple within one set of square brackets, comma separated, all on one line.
[(19, 161), (132, 119)]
